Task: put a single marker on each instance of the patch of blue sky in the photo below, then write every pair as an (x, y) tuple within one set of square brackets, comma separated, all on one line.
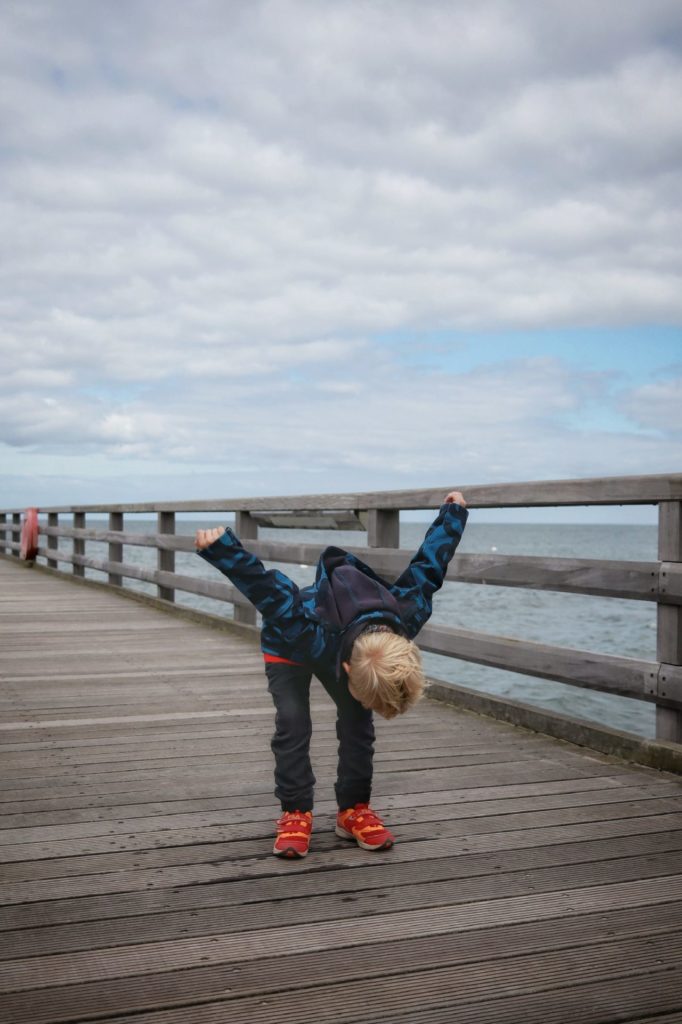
[(634, 354), (58, 78), (601, 417), (127, 392)]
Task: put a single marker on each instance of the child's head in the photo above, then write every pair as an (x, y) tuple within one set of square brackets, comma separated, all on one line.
[(385, 672)]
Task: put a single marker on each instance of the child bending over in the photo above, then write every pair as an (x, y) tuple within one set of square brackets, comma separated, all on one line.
[(354, 631)]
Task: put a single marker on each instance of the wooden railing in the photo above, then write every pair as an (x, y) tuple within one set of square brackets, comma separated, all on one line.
[(660, 581)]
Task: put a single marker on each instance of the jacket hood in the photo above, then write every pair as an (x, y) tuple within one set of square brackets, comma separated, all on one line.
[(350, 595), (347, 589)]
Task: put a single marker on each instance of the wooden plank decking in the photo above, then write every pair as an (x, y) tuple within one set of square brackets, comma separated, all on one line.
[(531, 881)]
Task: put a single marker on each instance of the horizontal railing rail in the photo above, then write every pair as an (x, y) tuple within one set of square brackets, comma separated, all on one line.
[(616, 490), (640, 581), (659, 581)]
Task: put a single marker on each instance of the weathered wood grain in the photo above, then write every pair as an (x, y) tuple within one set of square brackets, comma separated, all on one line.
[(630, 677), (313, 520), (53, 522), (669, 622), (111, 930), (617, 490), (383, 528), (284, 973), (640, 581), (247, 530), (530, 881), (164, 580), (78, 543), (165, 557), (626, 676), (115, 553)]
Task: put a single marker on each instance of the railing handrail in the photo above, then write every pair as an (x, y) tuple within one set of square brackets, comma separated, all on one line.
[(633, 580), (658, 681), (615, 490)]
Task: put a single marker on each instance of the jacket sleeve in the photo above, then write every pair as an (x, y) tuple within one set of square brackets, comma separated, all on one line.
[(274, 595), (426, 572)]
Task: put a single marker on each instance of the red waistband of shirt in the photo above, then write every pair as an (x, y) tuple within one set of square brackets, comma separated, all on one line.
[(274, 659)]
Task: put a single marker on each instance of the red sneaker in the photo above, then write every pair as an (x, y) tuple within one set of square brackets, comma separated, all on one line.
[(293, 834), (365, 827)]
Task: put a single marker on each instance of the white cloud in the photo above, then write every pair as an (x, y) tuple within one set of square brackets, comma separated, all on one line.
[(211, 211), (657, 406)]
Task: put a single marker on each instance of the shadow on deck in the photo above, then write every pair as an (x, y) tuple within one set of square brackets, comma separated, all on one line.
[(531, 881)]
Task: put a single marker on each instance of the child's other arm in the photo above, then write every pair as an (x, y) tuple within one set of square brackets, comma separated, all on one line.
[(426, 572), (273, 594)]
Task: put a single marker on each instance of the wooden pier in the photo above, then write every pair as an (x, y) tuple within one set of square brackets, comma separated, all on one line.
[(533, 881)]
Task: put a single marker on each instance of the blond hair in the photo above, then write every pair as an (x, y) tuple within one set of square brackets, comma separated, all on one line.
[(386, 673)]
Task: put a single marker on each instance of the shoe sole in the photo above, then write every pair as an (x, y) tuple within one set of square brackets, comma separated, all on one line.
[(290, 853), (342, 833)]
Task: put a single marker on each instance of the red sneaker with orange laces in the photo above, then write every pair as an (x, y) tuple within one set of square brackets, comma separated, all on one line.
[(293, 834), (365, 827)]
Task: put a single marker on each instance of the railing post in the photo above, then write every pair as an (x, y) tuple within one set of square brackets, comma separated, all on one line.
[(165, 560), (383, 528), (669, 616), (3, 535), (115, 548), (52, 542), (16, 532), (78, 542), (246, 529)]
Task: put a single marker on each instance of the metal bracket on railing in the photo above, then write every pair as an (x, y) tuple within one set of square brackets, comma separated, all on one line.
[(305, 519), (670, 581), (669, 683)]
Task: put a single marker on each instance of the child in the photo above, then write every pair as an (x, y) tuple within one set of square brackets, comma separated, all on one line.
[(354, 632)]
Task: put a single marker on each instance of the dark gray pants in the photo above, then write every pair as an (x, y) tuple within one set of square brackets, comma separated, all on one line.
[(294, 778)]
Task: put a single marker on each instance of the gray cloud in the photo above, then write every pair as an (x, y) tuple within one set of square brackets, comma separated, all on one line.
[(657, 406), (212, 210)]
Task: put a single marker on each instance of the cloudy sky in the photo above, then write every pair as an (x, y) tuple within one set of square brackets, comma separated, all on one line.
[(292, 246)]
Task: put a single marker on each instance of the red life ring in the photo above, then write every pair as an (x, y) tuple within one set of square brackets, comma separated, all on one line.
[(29, 535)]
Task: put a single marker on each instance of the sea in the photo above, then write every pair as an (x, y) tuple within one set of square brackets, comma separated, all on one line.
[(607, 625)]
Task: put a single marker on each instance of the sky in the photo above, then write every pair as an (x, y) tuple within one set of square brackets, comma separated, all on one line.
[(288, 247)]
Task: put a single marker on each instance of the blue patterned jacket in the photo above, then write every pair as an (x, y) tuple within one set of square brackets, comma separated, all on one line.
[(316, 625)]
